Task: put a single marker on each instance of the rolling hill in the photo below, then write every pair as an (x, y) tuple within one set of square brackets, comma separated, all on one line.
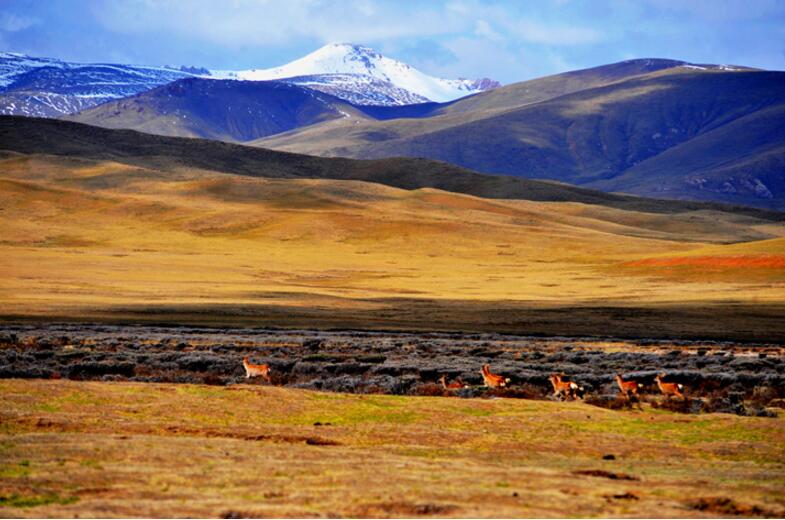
[(63, 138), (120, 225), (681, 131)]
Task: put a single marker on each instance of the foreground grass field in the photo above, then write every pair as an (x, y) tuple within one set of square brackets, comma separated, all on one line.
[(104, 240), (122, 449)]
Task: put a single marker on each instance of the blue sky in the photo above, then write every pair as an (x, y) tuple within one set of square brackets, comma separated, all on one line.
[(508, 41)]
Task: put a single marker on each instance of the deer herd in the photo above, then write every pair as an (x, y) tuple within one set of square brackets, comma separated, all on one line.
[(562, 389)]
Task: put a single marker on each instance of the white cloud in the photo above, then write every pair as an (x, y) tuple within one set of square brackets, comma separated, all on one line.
[(476, 57), (477, 37), (483, 29), (10, 22), (551, 34), (267, 22)]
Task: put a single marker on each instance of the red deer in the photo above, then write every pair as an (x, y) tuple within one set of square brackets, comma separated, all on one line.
[(628, 388), (455, 385), (493, 380), (256, 370), (564, 389), (669, 389)]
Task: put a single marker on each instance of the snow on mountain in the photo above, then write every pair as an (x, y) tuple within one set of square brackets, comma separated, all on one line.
[(13, 65), (358, 89), (43, 87), (344, 58)]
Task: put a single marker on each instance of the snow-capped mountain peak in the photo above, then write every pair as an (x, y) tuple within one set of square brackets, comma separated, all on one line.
[(346, 58), (45, 87)]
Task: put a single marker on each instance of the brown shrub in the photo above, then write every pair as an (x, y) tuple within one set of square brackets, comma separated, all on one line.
[(673, 405), (431, 389), (611, 403), (726, 506)]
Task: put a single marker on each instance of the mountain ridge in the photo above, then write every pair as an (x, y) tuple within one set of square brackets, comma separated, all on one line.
[(591, 136), (47, 87)]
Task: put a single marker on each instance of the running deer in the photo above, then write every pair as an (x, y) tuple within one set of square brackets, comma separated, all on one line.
[(564, 389), (256, 370), (455, 385), (628, 388), (493, 380), (669, 389)]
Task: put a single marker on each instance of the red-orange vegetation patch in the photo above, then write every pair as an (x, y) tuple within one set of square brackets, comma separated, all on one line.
[(715, 262)]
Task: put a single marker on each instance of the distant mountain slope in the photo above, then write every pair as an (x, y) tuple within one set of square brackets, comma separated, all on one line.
[(344, 58), (43, 87), (601, 137), (237, 111), (63, 138), (524, 93), (219, 109), (321, 139), (741, 161), (181, 114)]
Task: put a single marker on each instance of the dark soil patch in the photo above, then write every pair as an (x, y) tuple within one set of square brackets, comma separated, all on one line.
[(604, 474), (623, 496), (726, 506), (404, 509)]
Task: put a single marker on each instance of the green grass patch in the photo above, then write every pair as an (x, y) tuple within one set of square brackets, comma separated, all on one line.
[(73, 398), (22, 469), (365, 409), (686, 433), (91, 463), (201, 391), (475, 412), (15, 500)]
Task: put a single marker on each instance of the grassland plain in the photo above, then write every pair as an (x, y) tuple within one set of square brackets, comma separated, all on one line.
[(106, 240), (140, 449)]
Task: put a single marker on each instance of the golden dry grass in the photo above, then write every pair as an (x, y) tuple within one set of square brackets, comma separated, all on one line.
[(80, 238), (123, 449)]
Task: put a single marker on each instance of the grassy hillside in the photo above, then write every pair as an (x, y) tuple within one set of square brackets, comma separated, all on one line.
[(114, 239), (157, 450), (524, 93), (680, 119)]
